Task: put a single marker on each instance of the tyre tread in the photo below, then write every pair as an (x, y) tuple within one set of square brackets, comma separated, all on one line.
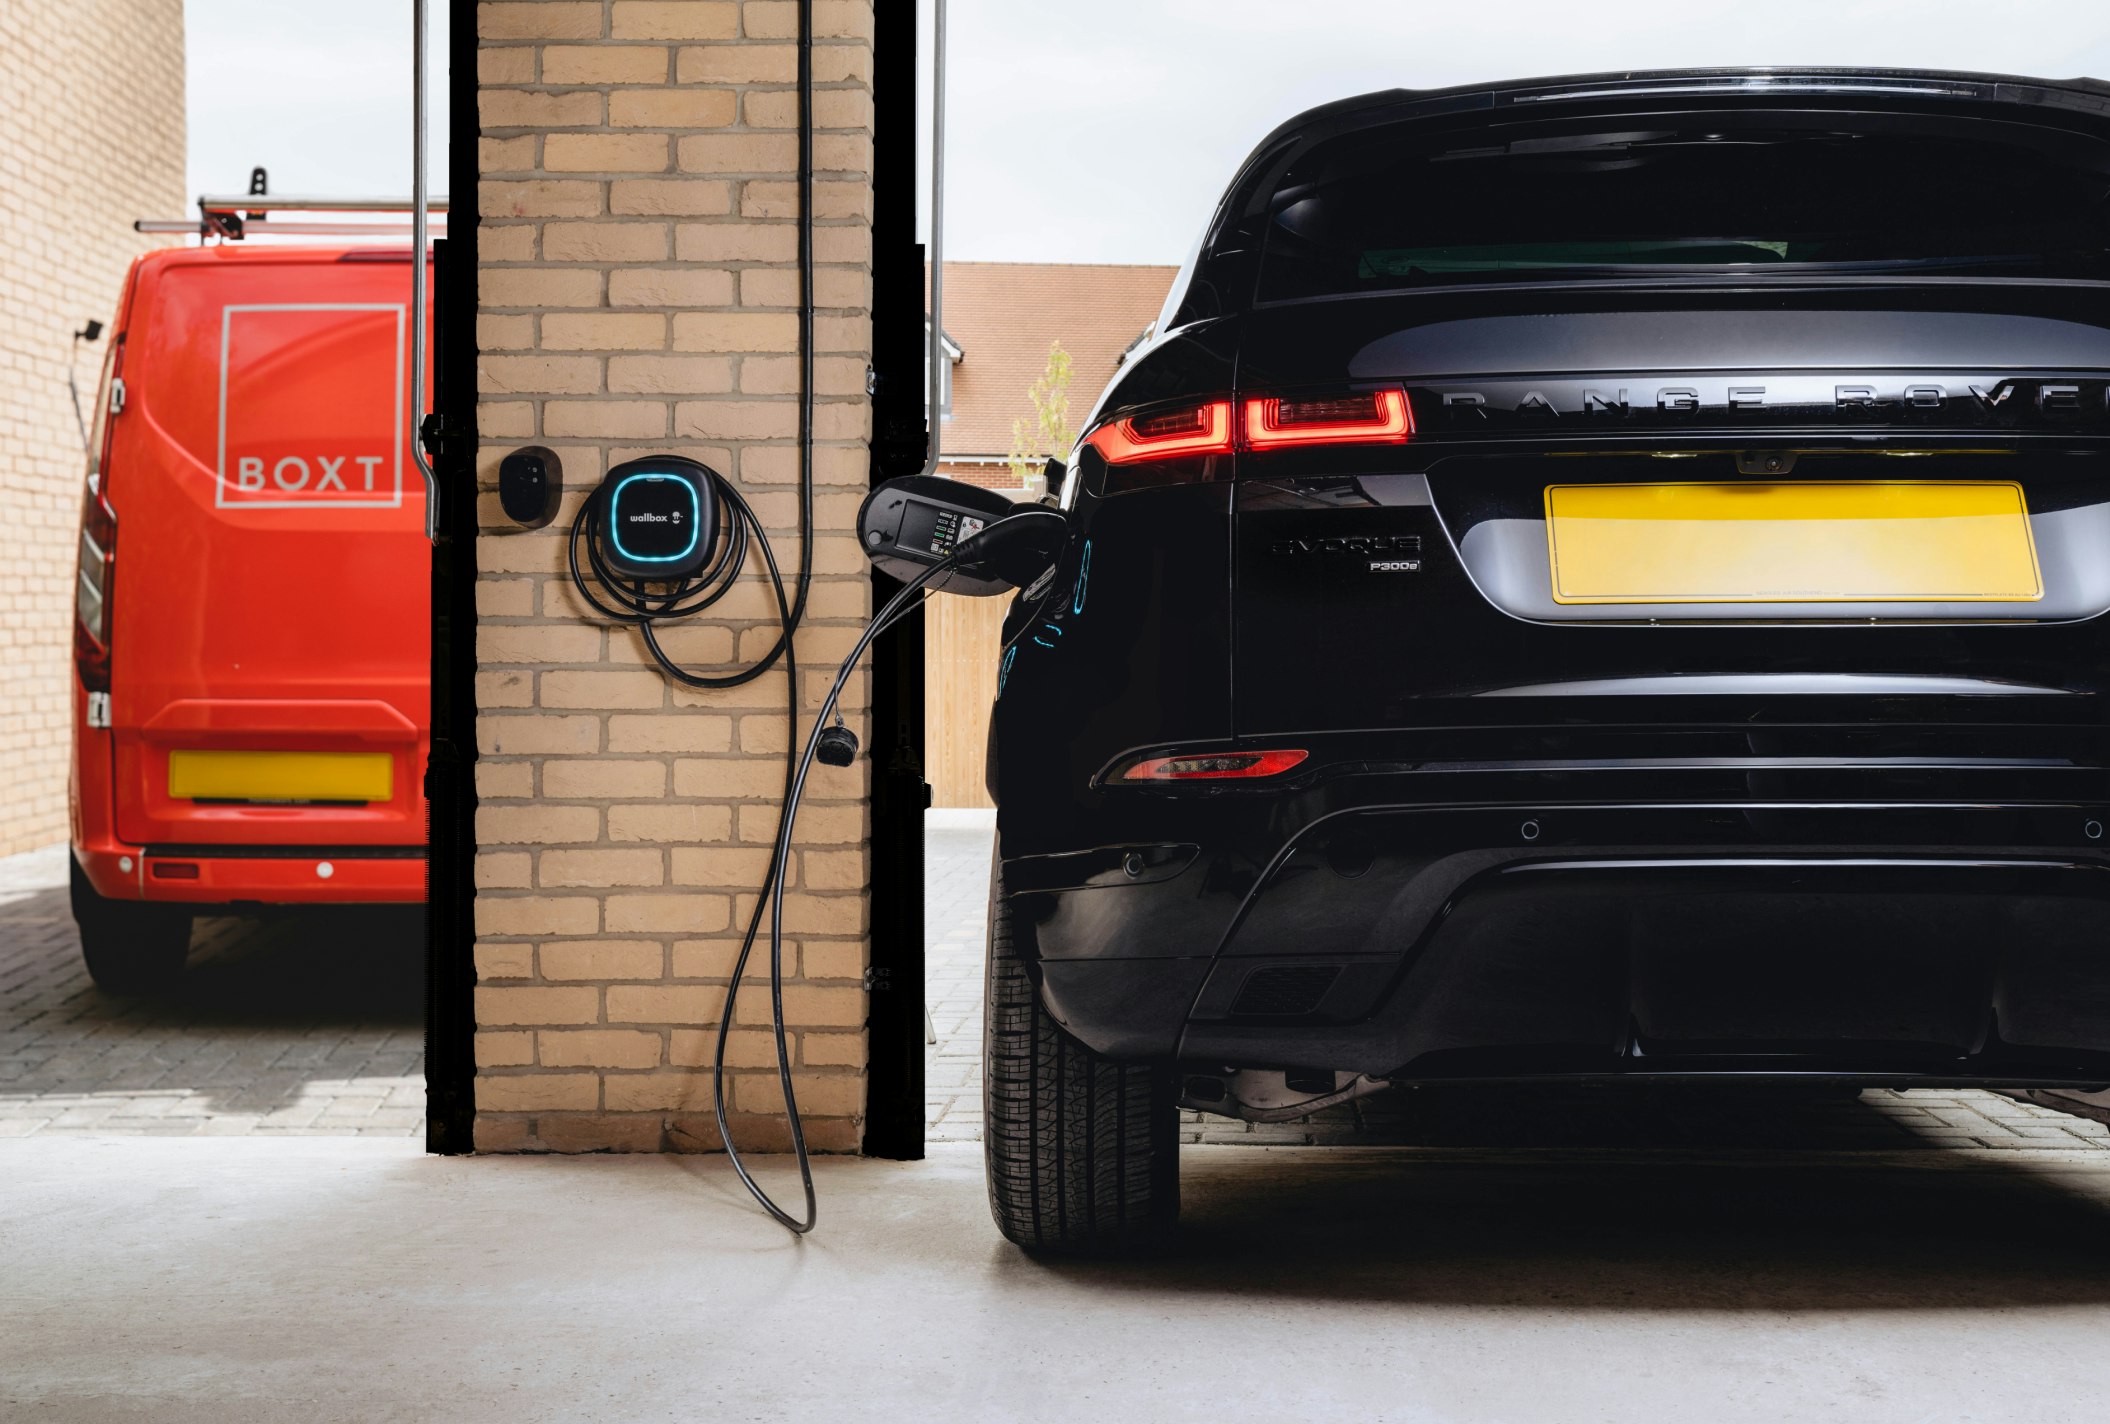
[(1082, 1149), (128, 947)]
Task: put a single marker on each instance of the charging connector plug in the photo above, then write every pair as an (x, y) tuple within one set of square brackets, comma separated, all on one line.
[(837, 746)]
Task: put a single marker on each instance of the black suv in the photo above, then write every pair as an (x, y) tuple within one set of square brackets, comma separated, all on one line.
[(1590, 578)]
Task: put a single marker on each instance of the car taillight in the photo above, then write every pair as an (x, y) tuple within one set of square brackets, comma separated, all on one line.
[(91, 596), (1212, 766), (1368, 417), (1163, 435), (1380, 417)]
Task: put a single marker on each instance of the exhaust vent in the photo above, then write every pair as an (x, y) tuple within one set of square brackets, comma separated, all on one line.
[(1284, 990)]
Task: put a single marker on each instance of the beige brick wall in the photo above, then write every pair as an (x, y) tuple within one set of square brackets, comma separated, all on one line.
[(91, 137), (638, 291)]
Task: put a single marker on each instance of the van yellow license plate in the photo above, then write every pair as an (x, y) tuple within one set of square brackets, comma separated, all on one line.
[(281, 776), (1845, 541)]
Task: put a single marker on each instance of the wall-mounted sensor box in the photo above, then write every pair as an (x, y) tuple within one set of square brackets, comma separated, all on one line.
[(659, 518), (531, 486)]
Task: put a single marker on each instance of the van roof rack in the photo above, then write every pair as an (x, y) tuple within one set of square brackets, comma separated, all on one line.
[(233, 218)]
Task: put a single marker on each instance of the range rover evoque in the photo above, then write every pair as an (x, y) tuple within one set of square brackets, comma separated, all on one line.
[(1594, 578)]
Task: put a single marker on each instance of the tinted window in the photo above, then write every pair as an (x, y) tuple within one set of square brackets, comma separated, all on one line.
[(1369, 213)]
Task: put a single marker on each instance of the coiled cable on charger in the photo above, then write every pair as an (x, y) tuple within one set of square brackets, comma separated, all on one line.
[(644, 603)]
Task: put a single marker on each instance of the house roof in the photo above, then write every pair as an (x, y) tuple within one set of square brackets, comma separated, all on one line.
[(1005, 315)]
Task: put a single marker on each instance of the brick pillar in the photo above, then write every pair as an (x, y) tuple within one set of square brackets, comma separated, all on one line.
[(638, 292)]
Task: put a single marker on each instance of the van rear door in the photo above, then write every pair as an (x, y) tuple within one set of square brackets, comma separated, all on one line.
[(270, 630)]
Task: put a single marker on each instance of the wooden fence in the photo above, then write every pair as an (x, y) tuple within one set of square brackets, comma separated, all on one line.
[(961, 638)]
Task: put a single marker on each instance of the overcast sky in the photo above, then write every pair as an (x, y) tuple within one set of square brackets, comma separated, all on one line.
[(316, 91), (1102, 130)]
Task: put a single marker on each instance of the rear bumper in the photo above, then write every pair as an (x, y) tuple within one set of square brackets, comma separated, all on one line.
[(220, 875), (208, 855), (1881, 942)]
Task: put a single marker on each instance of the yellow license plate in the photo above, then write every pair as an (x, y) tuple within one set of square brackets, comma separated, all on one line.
[(281, 776), (1845, 541)]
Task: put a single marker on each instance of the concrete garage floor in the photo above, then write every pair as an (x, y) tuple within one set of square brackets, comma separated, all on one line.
[(1577, 1255), (345, 1279)]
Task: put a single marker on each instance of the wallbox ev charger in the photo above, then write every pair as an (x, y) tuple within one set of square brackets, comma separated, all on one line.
[(661, 518)]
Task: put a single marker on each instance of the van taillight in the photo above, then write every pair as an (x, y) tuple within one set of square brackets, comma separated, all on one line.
[(91, 595), (1368, 417), (1163, 435)]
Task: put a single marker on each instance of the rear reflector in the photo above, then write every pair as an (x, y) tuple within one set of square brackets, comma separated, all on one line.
[(1213, 766), (1286, 991), (1371, 417), (1197, 430), (175, 870)]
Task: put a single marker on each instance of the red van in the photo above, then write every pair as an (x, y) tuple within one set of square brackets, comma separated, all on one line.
[(252, 625)]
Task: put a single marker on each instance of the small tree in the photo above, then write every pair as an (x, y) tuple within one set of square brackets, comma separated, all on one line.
[(1049, 433)]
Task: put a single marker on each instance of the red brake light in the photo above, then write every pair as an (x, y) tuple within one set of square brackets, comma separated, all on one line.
[(91, 593), (1197, 430), (1370, 417), (1213, 766)]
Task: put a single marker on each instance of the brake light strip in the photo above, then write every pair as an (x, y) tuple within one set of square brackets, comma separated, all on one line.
[(1267, 423), (1272, 422)]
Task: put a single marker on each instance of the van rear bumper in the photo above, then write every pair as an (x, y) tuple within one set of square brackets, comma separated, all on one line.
[(223, 875)]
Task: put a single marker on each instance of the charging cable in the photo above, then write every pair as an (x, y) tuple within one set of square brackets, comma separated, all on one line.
[(844, 748), (644, 604)]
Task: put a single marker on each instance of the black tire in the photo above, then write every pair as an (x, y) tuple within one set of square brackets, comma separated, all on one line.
[(1082, 1150), (130, 947)]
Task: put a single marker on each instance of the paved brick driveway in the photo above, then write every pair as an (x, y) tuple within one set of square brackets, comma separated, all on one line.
[(956, 849), (307, 1023), (956, 887), (311, 1023)]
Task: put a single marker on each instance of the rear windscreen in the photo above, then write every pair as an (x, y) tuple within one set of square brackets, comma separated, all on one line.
[(1717, 196)]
